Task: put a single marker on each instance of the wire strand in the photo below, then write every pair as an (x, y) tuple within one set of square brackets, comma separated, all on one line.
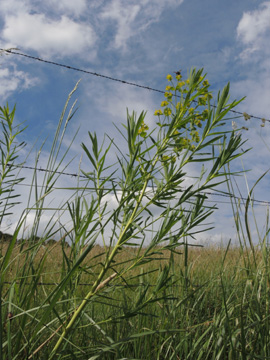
[(245, 115), (215, 193)]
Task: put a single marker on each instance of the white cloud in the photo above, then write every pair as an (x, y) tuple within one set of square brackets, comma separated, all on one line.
[(131, 19), (14, 6), (115, 99), (54, 37), (124, 16), (12, 80), (52, 7), (48, 28), (73, 8), (253, 33), (59, 27), (257, 90), (254, 24)]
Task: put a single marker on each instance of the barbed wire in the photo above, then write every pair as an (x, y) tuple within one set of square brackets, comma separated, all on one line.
[(46, 170), (92, 189), (213, 192), (244, 114)]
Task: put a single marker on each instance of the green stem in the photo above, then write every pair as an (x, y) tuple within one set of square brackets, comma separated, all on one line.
[(96, 286), (97, 283)]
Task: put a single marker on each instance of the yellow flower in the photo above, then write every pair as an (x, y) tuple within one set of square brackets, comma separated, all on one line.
[(168, 95), (169, 77), (164, 103), (178, 77), (142, 131), (205, 112), (167, 111), (198, 123), (205, 83), (144, 126), (158, 112), (168, 87), (187, 81), (202, 100), (184, 143), (181, 83), (206, 96)]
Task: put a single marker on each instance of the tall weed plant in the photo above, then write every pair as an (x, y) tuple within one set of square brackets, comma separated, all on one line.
[(146, 304)]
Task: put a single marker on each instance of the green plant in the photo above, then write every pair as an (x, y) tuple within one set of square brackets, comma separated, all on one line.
[(9, 148), (152, 176), (153, 210)]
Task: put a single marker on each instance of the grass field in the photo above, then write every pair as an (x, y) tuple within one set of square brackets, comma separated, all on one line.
[(217, 307)]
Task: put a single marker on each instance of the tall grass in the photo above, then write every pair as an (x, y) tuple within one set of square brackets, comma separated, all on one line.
[(130, 286)]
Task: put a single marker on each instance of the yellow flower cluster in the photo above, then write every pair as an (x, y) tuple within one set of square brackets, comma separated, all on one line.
[(171, 158), (158, 112), (167, 111), (205, 83), (143, 130), (179, 106), (180, 85), (190, 113), (168, 95), (164, 103)]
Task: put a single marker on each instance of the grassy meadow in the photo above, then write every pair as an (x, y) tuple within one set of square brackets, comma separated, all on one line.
[(123, 281), (215, 306)]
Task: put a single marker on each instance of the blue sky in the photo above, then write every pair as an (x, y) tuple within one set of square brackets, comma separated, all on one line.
[(139, 42)]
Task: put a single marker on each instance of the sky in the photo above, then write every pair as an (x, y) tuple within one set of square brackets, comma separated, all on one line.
[(139, 42)]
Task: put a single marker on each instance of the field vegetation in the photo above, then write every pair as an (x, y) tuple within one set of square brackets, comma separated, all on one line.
[(126, 278)]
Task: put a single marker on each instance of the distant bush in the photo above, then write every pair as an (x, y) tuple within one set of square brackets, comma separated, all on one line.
[(5, 237)]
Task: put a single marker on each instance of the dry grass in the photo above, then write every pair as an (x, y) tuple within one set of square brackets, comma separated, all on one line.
[(203, 262)]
